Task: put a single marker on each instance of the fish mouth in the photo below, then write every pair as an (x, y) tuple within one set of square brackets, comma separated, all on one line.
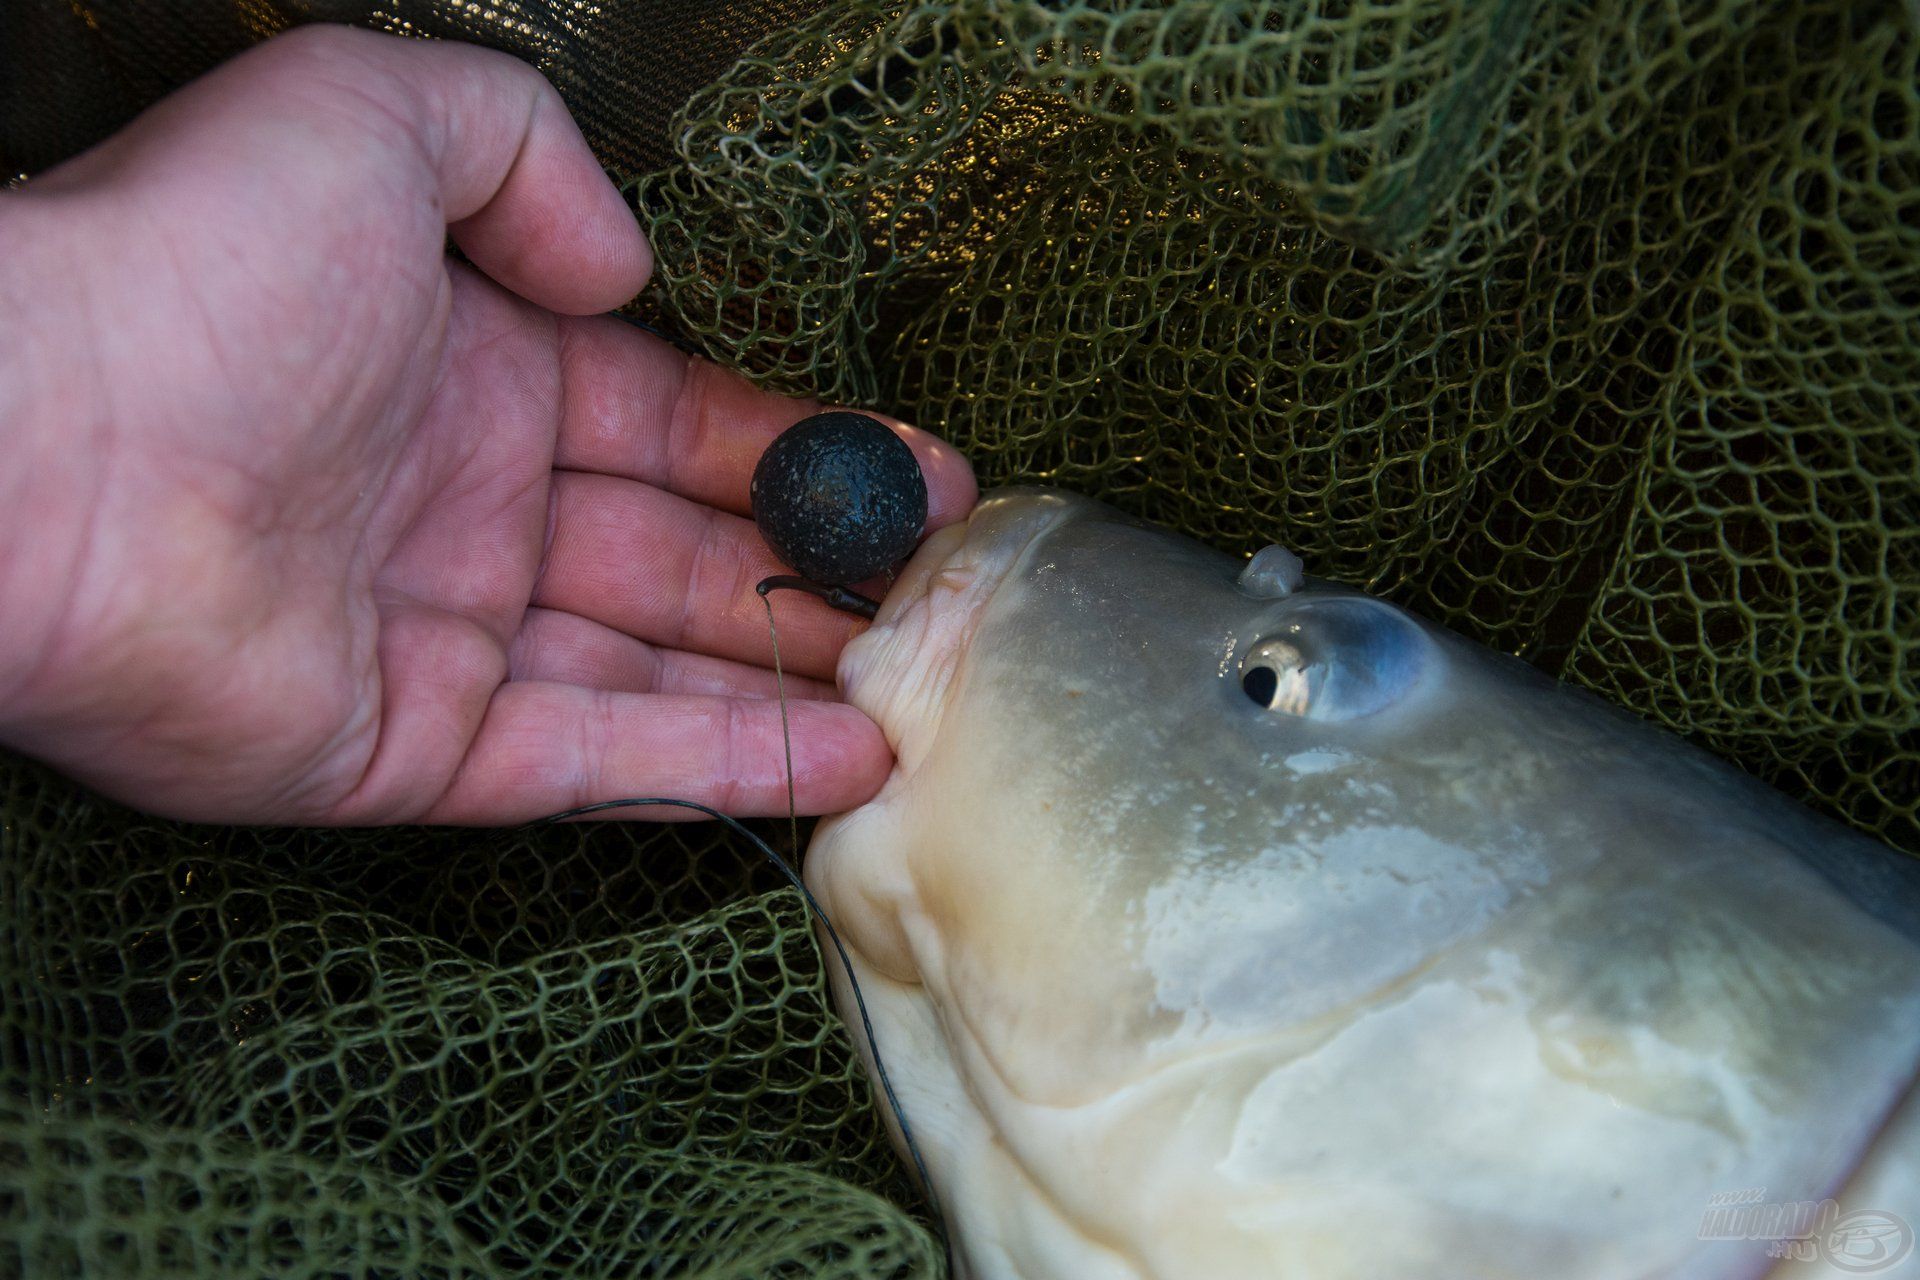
[(901, 670), (915, 582)]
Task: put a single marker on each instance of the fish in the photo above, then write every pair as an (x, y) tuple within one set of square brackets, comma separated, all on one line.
[(1218, 921)]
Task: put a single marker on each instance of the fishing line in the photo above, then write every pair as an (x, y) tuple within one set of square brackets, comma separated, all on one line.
[(786, 730), (818, 912)]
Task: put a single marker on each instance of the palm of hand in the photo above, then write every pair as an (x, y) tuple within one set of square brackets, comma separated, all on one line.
[(383, 540)]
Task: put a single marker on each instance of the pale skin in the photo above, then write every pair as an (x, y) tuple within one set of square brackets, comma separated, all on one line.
[(304, 522)]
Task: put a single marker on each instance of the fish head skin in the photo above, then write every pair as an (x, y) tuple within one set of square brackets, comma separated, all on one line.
[(1066, 692), (1198, 887)]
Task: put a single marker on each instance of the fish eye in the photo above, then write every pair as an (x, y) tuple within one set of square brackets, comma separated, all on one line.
[(1336, 659)]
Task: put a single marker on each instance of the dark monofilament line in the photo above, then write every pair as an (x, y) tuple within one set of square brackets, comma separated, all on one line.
[(813, 905), (846, 963)]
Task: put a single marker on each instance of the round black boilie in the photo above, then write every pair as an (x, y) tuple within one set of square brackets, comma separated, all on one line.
[(839, 498)]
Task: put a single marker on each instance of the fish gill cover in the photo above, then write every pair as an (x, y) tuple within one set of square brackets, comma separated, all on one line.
[(1591, 329)]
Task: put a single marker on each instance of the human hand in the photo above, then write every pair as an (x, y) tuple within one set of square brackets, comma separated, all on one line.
[(305, 523)]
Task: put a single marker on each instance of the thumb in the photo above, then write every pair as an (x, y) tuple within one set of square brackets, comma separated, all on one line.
[(524, 197), (481, 134)]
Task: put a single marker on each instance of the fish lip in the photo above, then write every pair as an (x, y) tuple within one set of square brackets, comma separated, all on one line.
[(911, 586), (973, 559), (949, 545)]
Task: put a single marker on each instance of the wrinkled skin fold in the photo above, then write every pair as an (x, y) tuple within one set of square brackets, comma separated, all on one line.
[(1404, 962)]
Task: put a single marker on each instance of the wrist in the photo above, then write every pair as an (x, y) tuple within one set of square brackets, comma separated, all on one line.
[(53, 428)]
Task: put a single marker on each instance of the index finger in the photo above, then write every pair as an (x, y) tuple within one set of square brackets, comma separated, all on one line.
[(637, 408)]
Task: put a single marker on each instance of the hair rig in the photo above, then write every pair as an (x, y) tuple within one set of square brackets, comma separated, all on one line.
[(840, 499)]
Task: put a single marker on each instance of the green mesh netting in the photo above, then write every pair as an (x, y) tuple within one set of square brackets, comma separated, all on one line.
[(591, 1053), (1592, 329)]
